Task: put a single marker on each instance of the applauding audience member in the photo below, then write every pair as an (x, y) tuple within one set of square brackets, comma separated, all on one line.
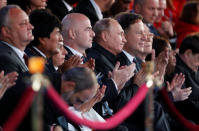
[(188, 63), (78, 36), (7, 81), (48, 39), (174, 83)]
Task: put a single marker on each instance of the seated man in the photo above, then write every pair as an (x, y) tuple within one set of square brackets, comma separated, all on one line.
[(138, 44), (188, 63), (47, 37), (15, 35)]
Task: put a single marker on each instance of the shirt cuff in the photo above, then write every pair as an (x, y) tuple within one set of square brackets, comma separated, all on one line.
[(115, 85)]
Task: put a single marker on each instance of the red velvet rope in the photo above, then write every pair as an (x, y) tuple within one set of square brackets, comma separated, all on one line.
[(111, 122), (177, 114), (20, 111)]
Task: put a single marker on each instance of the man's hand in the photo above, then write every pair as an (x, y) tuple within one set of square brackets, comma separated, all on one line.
[(90, 64), (73, 61), (140, 77), (97, 98), (7, 81), (161, 63), (178, 93), (123, 74)]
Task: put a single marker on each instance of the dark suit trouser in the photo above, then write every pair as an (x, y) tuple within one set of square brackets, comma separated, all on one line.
[(160, 122)]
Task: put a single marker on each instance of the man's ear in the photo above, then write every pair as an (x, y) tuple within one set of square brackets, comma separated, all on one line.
[(67, 86), (71, 34), (104, 35), (5, 31)]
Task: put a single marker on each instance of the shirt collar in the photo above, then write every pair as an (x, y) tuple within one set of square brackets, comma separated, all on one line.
[(129, 56), (18, 51), (40, 52), (97, 9), (75, 52), (67, 5)]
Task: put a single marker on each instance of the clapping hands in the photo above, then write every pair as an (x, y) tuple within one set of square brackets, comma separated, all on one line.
[(7, 81), (174, 87)]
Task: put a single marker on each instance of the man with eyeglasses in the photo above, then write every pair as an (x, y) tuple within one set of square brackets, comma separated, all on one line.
[(137, 38)]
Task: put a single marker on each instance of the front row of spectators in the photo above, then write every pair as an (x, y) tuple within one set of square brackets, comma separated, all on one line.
[(96, 70)]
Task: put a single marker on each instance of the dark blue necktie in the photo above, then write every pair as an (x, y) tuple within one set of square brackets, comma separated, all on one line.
[(136, 65), (84, 59), (107, 109)]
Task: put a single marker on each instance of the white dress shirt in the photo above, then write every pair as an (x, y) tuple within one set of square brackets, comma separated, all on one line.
[(67, 5), (129, 56), (40, 52)]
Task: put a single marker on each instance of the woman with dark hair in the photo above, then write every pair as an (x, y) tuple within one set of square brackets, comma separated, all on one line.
[(159, 45), (174, 83), (188, 22)]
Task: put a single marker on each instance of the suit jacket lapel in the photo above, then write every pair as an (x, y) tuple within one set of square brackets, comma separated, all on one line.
[(69, 53), (123, 59), (16, 58)]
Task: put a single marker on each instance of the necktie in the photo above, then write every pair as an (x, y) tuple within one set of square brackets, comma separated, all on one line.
[(107, 110), (25, 57), (84, 59), (136, 66)]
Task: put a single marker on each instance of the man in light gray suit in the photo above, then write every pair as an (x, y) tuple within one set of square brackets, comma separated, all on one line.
[(15, 35)]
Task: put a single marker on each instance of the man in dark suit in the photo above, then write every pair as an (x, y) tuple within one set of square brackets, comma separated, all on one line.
[(77, 34), (15, 35), (93, 9), (136, 42), (187, 62), (48, 39), (109, 41), (60, 7)]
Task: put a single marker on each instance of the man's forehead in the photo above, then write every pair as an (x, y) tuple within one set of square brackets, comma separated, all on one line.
[(15, 12), (151, 2)]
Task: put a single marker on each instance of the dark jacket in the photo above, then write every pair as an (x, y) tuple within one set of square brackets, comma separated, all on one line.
[(58, 8), (32, 52), (189, 107), (12, 96), (85, 7), (10, 61)]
